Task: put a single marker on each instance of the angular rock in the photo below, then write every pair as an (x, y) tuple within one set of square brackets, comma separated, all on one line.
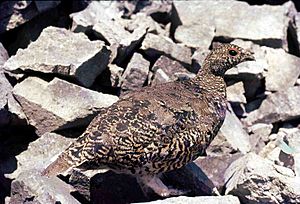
[(228, 199), (166, 69), (256, 18), (111, 76), (235, 93), (31, 186), (40, 153), (233, 131), (10, 111), (121, 41), (195, 36), (67, 53), (292, 138), (220, 146), (16, 13), (142, 20), (192, 179), (103, 18), (58, 104), (155, 9), (28, 184), (279, 106), (283, 70), (257, 180), (154, 46), (5, 91), (259, 135), (97, 10), (214, 167), (136, 73)]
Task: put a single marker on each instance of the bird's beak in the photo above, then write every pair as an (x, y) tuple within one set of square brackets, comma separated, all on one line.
[(249, 56)]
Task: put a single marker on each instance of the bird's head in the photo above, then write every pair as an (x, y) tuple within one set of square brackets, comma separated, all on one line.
[(224, 57)]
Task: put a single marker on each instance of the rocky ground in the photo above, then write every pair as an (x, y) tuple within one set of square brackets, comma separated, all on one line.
[(61, 61)]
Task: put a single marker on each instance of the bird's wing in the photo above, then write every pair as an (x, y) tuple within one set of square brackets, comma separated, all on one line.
[(124, 134)]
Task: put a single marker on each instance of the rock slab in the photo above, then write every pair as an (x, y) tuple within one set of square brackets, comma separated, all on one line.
[(268, 23), (257, 180), (58, 104), (63, 52), (136, 73), (279, 106), (228, 199), (28, 184)]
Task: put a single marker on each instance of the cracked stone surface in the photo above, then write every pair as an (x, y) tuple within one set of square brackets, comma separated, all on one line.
[(63, 52)]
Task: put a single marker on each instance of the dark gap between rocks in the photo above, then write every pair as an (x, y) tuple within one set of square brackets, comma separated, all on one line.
[(292, 39), (13, 142)]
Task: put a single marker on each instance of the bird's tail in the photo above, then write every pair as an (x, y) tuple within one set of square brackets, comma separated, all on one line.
[(65, 161), (60, 165)]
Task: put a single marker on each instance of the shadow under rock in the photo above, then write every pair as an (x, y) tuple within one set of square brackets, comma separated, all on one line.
[(13, 141), (111, 188)]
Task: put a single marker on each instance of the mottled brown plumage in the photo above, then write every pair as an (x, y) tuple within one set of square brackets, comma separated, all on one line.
[(157, 129)]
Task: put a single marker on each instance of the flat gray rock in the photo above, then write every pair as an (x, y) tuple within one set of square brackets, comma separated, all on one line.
[(58, 104), (283, 70), (155, 45), (40, 153), (30, 185), (60, 51), (228, 199), (235, 93), (257, 180), (195, 36), (279, 106), (136, 73), (268, 24)]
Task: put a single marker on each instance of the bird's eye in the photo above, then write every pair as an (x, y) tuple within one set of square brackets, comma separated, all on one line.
[(233, 52)]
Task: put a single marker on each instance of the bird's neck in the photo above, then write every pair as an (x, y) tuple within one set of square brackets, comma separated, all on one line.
[(210, 82)]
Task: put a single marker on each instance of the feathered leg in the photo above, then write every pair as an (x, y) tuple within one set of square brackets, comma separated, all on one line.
[(154, 182)]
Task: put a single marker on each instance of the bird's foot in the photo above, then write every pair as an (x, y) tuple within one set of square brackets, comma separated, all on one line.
[(172, 192), (154, 182)]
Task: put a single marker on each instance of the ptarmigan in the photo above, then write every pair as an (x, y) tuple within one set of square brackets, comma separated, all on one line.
[(157, 129)]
